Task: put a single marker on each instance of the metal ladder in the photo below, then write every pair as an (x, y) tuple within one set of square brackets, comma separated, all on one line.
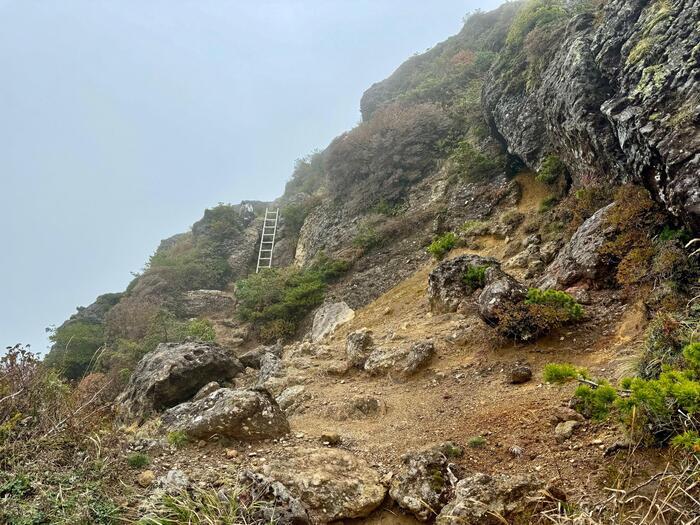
[(267, 239)]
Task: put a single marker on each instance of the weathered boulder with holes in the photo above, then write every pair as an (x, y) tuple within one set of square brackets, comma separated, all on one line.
[(359, 346), (171, 374), (197, 303), (405, 361), (248, 414), (447, 287), (579, 259), (274, 503), (481, 499), (328, 317), (333, 484), (427, 479), (500, 291)]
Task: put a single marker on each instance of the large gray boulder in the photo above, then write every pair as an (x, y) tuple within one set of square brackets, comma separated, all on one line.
[(481, 499), (447, 288), (579, 259), (405, 361), (171, 374), (500, 292), (328, 317), (248, 414), (332, 483), (426, 481)]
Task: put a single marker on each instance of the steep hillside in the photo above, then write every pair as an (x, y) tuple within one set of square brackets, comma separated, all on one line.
[(483, 309)]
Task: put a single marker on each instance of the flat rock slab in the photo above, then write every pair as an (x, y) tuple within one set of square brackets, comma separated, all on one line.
[(333, 484), (328, 317)]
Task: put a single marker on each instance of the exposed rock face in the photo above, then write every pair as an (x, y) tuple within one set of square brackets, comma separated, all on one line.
[(275, 504), (359, 346), (291, 398), (196, 303), (332, 483), (579, 259), (173, 373), (447, 289), (618, 100), (248, 414), (500, 291), (328, 317), (488, 500), (427, 480)]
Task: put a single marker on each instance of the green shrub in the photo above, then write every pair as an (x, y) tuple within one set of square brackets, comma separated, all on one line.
[(548, 203), (595, 403), (442, 245), (534, 13), (569, 309), (75, 344), (476, 442), (137, 460), (562, 372), (688, 440), (671, 234), (200, 329), (475, 276), (468, 163), (664, 340), (367, 237), (177, 438), (691, 353), (552, 170), (276, 300)]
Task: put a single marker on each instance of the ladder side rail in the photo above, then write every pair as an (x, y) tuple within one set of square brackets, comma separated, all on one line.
[(274, 233), (257, 268)]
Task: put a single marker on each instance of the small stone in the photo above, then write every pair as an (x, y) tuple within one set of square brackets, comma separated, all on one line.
[(201, 443), (146, 478), (231, 453), (520, 374), (564, 431), (331, 438)]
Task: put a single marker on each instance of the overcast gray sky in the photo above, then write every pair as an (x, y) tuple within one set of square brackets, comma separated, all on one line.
[(122, 120)]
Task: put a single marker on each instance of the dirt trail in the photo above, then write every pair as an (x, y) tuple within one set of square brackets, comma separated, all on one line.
[(465, 392)]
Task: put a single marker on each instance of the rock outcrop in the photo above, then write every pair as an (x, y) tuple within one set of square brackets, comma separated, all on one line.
[(427, 481), (500, 291), (248, 414), (197, 303), (332, 483), (274, 502), (579, 259), (481, 499), (171, 374), (359, 346), (617, 100), (447, 287)]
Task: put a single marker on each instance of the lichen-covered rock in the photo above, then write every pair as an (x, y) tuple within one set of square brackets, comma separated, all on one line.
[(447, 288), (579, 259), (171, 374), (332, 483), (419, 355), (206, 390), (481, 499), (618, 101), (197, 303), (291, 398), (248, 414), (273, 501), (359, 346), (270, 366), (426, 482), (500, 291), (328, 317)]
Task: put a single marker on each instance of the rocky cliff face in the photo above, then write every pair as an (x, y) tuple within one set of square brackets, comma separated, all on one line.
[(618, 101)]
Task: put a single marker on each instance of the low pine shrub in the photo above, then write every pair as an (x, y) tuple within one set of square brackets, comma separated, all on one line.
[(562, 372), (442, 245), (475, 276), (595, 403), (566, 306), (137, 460)]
